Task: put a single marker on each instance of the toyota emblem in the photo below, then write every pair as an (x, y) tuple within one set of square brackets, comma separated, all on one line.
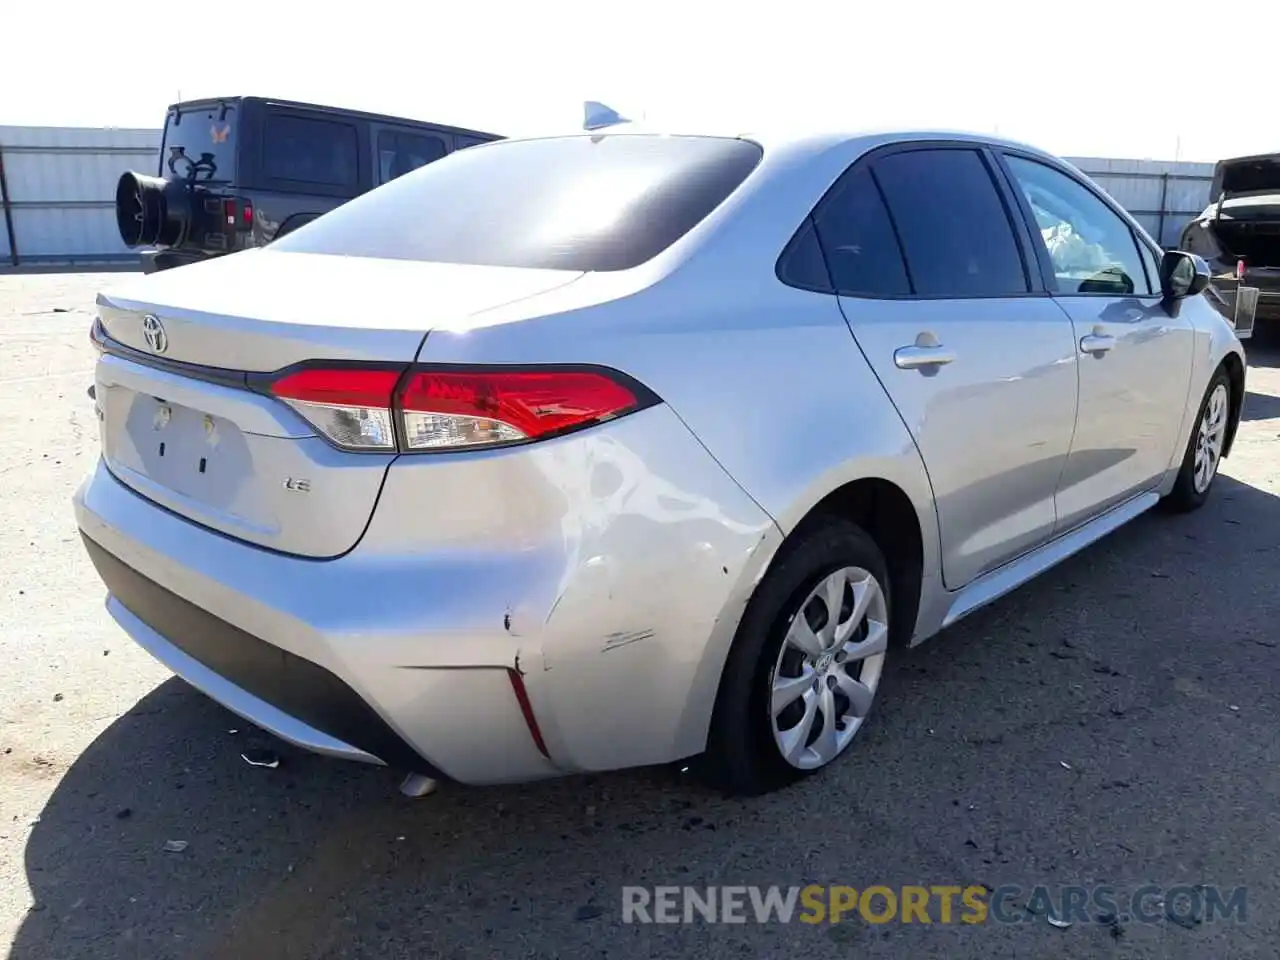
[(153, 332)]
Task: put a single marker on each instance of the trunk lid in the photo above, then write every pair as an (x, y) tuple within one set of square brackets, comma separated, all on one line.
[(262, 310), (179, 426), (1244, 175)]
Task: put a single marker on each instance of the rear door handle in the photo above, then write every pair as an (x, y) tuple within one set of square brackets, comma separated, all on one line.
[(915, 357), (1097, 343)]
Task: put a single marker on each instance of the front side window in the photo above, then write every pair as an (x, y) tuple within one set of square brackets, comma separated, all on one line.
[(955, 231), (1091, 248), (580, 203), (1152, 266), (308, 150)]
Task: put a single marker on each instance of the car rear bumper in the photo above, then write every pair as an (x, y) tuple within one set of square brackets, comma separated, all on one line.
[(156, 260), (614, 610), (304, 649), (297, 700)]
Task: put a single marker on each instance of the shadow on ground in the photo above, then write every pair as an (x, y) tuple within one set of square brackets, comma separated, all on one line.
[(1260, 406), (130, 265), (1263, 349), (1113, 722)]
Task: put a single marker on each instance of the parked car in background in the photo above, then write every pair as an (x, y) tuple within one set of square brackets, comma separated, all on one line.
[(237, 172), (1238, 234), (638, 447)]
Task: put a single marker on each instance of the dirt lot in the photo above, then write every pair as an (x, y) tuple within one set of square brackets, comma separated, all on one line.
[(1114, 722)]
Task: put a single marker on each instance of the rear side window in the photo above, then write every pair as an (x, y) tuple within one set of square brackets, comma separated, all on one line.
[(606, 202), (802, 263), (308, 150), (858, 240), (955, 230), (401, 153)]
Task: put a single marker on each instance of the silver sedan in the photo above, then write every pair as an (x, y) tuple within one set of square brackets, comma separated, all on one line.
[(586, 452)]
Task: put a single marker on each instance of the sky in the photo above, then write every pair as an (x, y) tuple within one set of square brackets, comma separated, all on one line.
[(1123, 78)]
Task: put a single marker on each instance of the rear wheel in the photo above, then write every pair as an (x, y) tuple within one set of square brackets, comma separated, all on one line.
[(806, 663), (1204, 448)]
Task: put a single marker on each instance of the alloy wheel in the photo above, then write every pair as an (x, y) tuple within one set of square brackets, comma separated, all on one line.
[(1210, 436), (829, 667)]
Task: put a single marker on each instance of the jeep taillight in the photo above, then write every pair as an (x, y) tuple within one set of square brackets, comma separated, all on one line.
[(237, 213), (441, 408)]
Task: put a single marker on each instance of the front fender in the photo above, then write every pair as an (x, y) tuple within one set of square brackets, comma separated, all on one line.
[(1216, 344)]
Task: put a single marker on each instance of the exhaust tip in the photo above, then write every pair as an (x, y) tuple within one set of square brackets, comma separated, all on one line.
[(416, 786)]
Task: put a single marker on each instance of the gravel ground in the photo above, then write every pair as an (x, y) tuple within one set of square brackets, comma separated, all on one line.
[(1114, 722)]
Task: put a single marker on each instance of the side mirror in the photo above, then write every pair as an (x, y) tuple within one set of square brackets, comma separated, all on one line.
[(1182, 275)]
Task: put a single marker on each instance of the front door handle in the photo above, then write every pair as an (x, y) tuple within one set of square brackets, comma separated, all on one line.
[(1097, 343), (915, 357)]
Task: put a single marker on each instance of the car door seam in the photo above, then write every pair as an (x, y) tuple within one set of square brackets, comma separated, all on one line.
[(1075, 420)]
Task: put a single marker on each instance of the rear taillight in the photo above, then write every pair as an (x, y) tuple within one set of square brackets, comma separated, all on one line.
[(1240, 269), (446, 409), (349, 405), (442, 408), (237, 213)]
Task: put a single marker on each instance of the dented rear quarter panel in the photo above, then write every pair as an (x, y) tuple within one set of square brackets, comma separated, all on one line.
[(600, 563), (655, 576)]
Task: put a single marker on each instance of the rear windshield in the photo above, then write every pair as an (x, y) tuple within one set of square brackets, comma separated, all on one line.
[(573, 203), (200, 144)]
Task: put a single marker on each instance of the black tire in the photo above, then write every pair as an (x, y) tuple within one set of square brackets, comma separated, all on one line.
[(1184, 497), (742, 757)]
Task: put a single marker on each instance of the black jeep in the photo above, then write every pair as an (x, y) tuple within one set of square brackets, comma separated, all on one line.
[(237, 172)]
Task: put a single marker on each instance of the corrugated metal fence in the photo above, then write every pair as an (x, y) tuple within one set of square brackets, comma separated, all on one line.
[(58, 191), (57, 185), (1162, 195)]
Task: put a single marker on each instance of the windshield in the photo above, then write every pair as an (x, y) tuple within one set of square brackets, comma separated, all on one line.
[(199, 144), (572, 203)]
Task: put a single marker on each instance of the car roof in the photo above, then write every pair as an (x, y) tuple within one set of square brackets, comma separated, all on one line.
[(328, 108), (799, 140)]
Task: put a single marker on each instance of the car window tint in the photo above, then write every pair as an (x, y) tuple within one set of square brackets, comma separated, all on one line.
[(604, 202), (200, 143), (400, 153), (307, 150), (1091, 248), (955, 231), (858, 240), (802, 265), (1152, 265)]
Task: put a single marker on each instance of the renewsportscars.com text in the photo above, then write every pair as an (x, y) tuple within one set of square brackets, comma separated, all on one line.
[(939, 903)]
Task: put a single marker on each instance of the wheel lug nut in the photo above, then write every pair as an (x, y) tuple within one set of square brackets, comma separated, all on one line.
[(831, 683), (840, 656)]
